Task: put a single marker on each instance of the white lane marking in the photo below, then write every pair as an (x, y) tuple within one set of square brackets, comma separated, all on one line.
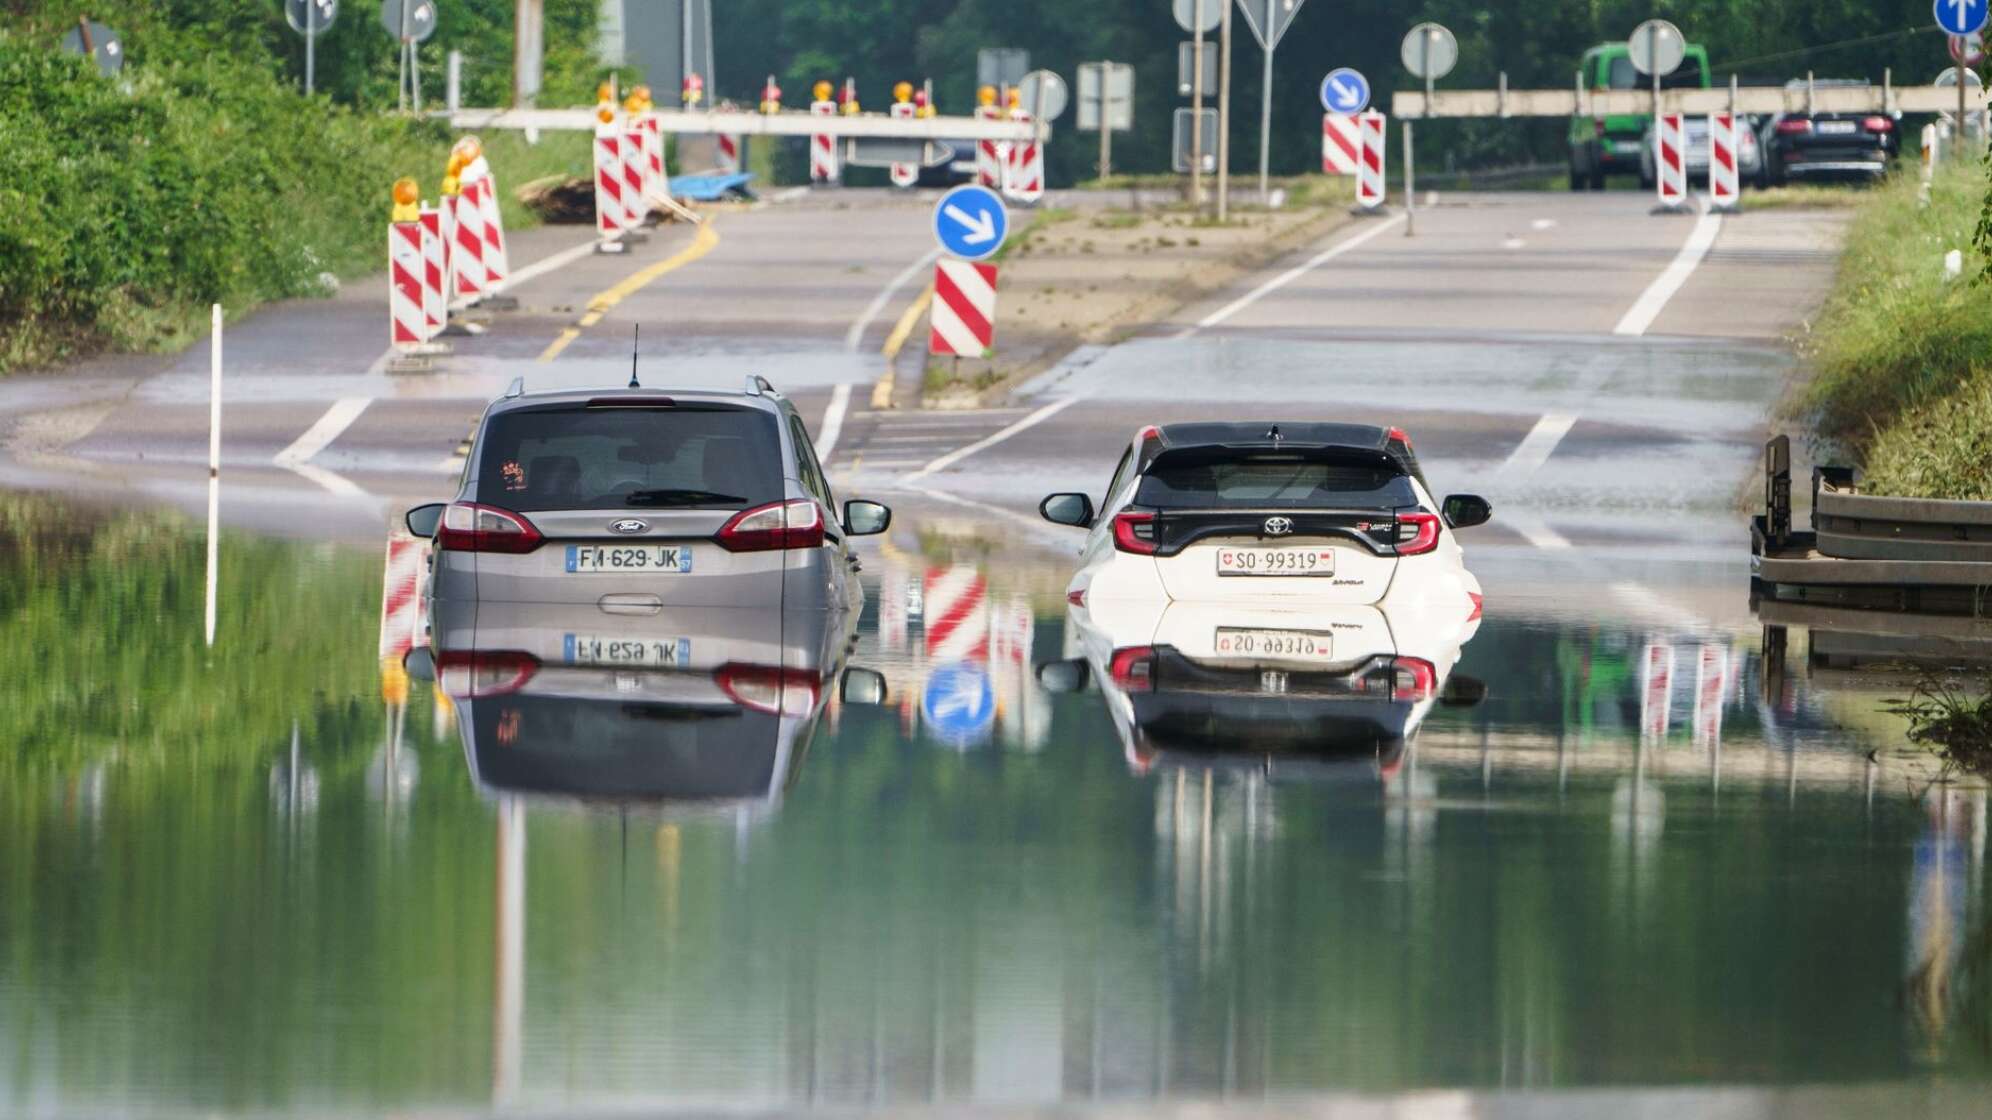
[(297, 457), (1513, 243), (833, 423), (451, 465), (1290, 275), (788, 195), (1654, 299), (1543, 223), (1431, 198), (1536, 447), (940, 417), (1534, 530), (877, 440), (1035, 525), (856, 334), (1028, 422), (545, 265)]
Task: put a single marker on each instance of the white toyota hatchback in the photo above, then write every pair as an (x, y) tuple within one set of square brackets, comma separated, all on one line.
[(1332, 514)]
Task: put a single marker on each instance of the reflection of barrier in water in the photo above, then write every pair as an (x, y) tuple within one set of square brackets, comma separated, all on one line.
[(1948, 866), (1656, 690)]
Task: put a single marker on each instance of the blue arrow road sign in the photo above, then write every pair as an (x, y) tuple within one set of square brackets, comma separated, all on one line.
[(958, 702), (1345, 91), (970, 222), (1960, 17)]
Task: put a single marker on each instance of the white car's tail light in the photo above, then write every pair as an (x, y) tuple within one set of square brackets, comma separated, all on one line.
[(1135, 532), (1412, 679), (1417, 532), (469, 527), (1133, 669), (797, 523)]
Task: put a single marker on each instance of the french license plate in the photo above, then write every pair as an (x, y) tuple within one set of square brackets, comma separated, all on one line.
[(628, 558), (1834, 128), (591, 649), (1310, 560), (1275, 645)]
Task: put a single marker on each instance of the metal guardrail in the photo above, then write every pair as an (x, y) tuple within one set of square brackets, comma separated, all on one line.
[(1856, 526), (742, 122), (1694, 102)]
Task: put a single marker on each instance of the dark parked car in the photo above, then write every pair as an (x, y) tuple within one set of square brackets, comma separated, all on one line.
[(1817, 146)]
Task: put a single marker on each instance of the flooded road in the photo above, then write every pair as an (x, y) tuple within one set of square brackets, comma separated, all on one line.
[(758, 862)]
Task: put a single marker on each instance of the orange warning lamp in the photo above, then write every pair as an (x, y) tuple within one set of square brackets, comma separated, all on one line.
[(771, 96), (1016, 98), (923, 102), (393, 681), (986, 96), (605, 92), (406, 197), (632, 104), (850, 97), (469, 147), (821, 90), (606, 112), (902, 92), (452, 186)]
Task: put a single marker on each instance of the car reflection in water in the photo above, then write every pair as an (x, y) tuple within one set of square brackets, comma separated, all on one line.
[(708, 708), (1295, 690)]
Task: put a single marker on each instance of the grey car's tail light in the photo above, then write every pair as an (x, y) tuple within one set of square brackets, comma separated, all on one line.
[(769, 688), (469, 527), (477, 674), (797, 523)]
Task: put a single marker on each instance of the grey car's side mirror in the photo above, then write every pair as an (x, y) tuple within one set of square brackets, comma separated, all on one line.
[(1464, 511), (1064, 676), (864, 519), (423, 520), (419, 664), (1068, 509), (862, 686)]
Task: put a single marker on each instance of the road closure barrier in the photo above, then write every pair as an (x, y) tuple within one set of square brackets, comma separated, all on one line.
[(1724, 185), (1023, 172), (409, 328), (1670, 167), (481, 187), (963, 322), (1341, 144), (726, 151), (904, 175), (990, 155), (435, 273), (611, 216), (823, 163), (1371, 129)]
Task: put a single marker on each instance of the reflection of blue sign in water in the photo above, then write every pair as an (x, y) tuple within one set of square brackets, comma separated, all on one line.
[(1960, 17), (970, 222), (1345, 91), (959, 703)]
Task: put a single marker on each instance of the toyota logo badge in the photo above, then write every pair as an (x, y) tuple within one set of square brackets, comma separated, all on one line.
[(1279, 526), (629, 525)]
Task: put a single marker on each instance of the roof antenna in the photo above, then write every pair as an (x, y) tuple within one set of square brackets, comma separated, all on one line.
[(635, 337), (1273, 433)]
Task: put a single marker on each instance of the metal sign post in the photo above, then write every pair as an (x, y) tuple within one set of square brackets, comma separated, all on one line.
[(1429, 51), (1106, 102), (310, 18), (1224, 113), (1268, 20), (1196, 108), (1960, 18)]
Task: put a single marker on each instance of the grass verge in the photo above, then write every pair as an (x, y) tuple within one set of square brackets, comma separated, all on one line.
[(1902, 356)]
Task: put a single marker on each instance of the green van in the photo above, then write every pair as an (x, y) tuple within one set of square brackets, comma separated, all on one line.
[(1601, 146)]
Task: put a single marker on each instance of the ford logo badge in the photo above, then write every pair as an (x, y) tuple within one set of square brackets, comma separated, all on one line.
[(629, 525), (1279, 526)]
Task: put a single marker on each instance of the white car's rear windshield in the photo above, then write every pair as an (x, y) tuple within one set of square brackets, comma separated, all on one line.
[(598, 458), (1255, 482)]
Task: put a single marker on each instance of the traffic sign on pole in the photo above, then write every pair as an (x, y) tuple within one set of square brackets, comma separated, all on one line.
[(1968, 49), (1429, 51), (958, 702), (91, 38), (1269, 19), (420, 21), (1188, 11), (970, 222), (1345, 91), (1656, 47), (1960, 17)]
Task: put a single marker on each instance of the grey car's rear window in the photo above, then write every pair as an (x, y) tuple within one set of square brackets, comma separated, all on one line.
[(594, 458), (1214, 482)]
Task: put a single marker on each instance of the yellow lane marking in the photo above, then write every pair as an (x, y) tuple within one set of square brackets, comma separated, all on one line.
[(703, 242), (882, 389)]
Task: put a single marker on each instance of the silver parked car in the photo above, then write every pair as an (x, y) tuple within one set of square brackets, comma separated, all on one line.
[(639, 499)]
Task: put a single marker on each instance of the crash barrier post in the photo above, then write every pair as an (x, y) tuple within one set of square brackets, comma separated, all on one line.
[(963, 319), (1724, 182), (1670, 167), (1369, 175)]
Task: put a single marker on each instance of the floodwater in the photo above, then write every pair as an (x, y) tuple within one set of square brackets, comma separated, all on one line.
[(779, 875)]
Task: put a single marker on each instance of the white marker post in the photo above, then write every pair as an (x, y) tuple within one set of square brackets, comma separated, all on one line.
[(214, 466)]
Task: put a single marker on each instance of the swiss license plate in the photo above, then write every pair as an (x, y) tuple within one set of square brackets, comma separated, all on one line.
[(592, 649), (628, 558), (1295, 560), (1835, 128), (1275, 645)]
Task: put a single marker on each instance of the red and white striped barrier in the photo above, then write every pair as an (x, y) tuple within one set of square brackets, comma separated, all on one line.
[(1369, 172), (610, 215), (480, 181), (1023, 174), (990, 155), (1724, 183), (635, 170), (824, 166), (466, 246), (1341, 144), (401, 595), (903, 174), (408, 326), (963, 321), (1670, 167), (435, 271), (726, 151), (653, 150), (956, 625), (1711, 687)]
